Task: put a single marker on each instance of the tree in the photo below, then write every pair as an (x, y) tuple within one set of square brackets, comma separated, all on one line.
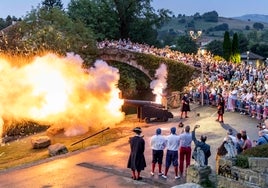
[(197, 16), (215, 47), (264, 36), (50, 30), (115, 19), (186, 45), (253, 37), (222, 27), (258, 26), (49, 4), (97, 15), (242, 42), (168, 38), (261, 49), (210, 16), (235, 44), (227, 46)]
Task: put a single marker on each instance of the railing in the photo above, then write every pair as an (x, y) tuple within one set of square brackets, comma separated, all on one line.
[(89, 136)]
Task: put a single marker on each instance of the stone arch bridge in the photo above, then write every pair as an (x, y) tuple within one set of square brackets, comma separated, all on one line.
[(123, 56), (129, 57), (179, 73)]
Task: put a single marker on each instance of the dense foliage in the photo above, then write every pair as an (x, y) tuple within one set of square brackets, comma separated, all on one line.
[(258, 151), (186, 45), (235, 54), (227, 46), (215, 47), (49, 29), (258, 26), (180, 75), (211, 16), (115, 19)]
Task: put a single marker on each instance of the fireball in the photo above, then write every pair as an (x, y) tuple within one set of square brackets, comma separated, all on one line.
[(59, 91)]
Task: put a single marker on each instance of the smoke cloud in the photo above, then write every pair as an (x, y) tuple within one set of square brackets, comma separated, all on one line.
[(59, 92)]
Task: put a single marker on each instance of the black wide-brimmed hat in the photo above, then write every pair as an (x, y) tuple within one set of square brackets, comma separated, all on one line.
[(137, 130)]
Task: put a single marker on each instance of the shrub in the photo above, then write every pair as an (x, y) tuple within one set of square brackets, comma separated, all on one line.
[(258, 151), (242, 161)]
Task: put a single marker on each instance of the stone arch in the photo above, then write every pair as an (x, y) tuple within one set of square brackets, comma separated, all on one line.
[(124, 56)]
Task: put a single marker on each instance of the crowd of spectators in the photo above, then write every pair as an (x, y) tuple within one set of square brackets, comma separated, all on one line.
[(126, 44), (244, 86)]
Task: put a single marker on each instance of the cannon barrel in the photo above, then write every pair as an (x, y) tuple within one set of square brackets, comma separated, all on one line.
[(139, 103), (146, 110)]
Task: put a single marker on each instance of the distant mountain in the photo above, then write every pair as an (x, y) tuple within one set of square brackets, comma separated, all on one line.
[(254, 18)]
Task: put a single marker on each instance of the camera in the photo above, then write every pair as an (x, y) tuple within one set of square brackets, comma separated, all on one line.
[(261, 126)]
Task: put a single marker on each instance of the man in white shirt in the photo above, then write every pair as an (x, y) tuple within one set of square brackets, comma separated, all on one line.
[(172, 152), (158, 144)]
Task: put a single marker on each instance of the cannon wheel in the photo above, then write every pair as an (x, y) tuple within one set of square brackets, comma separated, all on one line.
[(147, 120), (165, 119)]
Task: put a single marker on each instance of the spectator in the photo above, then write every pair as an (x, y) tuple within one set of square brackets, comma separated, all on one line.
[(239, 143), (244, 132), (221, 151), (158, 144), (202, 144), (247, 142), (230, 134), (263, 138)]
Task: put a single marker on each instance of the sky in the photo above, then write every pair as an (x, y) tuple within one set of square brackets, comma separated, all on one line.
[(224, 8)]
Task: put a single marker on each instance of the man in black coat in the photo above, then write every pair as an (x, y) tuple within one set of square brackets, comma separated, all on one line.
[(136, 161), (185, 105), (221, 104)]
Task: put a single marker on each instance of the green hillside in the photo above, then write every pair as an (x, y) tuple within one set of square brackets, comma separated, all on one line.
[(183, 24)]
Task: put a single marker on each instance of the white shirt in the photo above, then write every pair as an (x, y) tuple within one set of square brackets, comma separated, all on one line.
[(172, 142), (232, 137), (158, 142)]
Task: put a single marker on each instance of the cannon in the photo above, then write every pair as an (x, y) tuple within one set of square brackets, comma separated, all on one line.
[(149, 110)]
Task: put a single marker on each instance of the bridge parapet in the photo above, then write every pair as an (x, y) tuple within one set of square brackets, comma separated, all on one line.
[(122, 55)]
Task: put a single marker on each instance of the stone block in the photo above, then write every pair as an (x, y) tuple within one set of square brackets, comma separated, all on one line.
[(57, 149), (258, 164), (198, 174), (40, 142), (254, 180)]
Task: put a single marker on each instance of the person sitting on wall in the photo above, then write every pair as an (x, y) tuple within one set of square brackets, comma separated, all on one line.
[(263, 138)]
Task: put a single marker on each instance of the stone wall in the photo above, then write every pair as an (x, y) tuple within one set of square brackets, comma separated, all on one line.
[(230, 175)]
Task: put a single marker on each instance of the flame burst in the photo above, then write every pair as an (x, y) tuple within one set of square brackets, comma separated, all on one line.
[(58, 91), (160, 84)]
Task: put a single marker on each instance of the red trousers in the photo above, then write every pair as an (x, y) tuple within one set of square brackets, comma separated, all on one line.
[(185, 154)]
